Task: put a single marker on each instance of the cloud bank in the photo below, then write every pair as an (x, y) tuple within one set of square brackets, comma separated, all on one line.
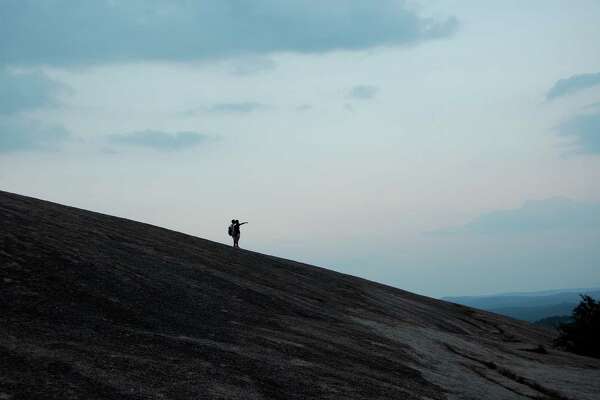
[(26, 91), (160, 141), (67, 32), (18, 134), (21, 92), (584, 130), (575, 83), (534, 216)]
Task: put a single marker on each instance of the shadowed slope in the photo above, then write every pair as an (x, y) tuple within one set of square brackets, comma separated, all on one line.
[(100, 307)]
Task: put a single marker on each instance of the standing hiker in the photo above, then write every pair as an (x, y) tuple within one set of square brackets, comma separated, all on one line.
[(234, 231)]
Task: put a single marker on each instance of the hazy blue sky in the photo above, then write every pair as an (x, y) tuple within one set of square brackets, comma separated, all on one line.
[(444, 147)]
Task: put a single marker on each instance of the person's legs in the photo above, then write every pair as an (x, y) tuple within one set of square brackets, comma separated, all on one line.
[(236, 239)]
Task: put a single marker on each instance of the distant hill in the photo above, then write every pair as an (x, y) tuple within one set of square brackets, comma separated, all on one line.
[(99, 307), (553, 322), (536, 313), (530, 306)]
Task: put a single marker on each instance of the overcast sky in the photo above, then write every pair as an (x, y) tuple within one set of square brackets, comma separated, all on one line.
[(443, 147)]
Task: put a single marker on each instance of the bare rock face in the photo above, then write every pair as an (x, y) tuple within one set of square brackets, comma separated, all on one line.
[(98, 307)]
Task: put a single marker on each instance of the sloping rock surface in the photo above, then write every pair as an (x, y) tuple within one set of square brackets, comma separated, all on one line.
[(99, 307)]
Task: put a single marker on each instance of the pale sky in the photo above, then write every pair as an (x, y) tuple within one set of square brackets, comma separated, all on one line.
[(443, 147)]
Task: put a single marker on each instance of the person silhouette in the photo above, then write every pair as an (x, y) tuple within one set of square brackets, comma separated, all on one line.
[(234, 231)]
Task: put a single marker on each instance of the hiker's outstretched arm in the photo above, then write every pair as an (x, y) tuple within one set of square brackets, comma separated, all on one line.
[(242, 223)]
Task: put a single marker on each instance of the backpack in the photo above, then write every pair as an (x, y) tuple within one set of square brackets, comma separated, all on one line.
[(230, 230)]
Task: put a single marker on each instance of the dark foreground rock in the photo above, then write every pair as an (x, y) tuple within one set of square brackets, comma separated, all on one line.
[(98, 307)]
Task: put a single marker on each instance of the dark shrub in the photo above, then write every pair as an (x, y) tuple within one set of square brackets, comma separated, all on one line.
[(582, 336)]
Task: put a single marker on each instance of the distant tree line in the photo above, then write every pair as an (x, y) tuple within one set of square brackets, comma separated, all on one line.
[(582, 334)]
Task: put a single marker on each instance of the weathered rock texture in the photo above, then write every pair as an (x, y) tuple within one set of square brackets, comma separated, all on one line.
[(98, 307)]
